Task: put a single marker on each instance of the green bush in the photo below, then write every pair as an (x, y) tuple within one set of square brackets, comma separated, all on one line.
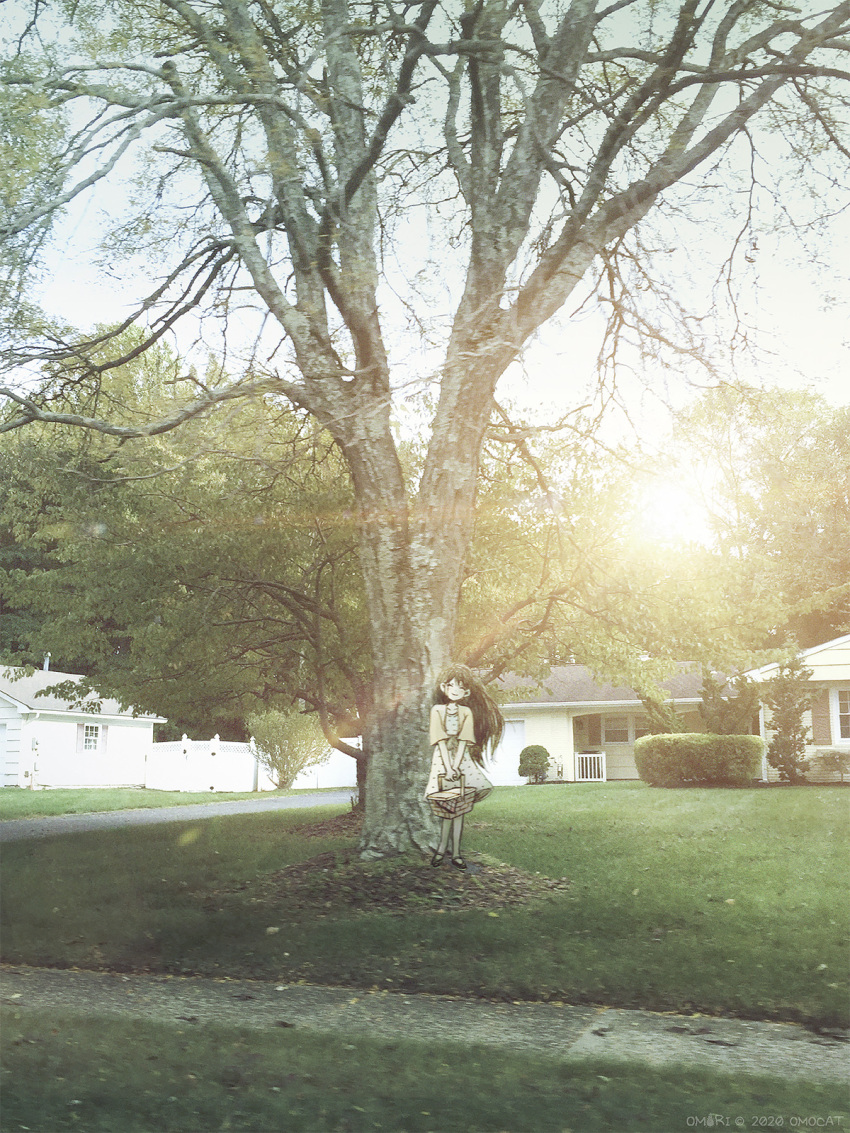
[(287, 743), (833, 762), (698, 759), (534, 763)]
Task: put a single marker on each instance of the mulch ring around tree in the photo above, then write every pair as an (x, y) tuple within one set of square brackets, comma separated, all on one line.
[(339, 882)]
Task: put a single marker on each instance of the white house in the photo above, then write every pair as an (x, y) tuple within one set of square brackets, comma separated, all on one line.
[(829, 718), (44, 742), (588, 727)]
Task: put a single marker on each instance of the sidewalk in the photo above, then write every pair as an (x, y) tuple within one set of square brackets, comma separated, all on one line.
[(18, 829), (569, 1034)]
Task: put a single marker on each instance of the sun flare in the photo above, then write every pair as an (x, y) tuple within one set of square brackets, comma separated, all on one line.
[(667, 512)]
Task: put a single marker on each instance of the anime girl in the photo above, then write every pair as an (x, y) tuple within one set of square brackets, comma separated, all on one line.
[(465, 721)]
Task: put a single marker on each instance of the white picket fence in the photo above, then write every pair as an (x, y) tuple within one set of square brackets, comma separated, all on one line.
[(205, 765), (590, 767)]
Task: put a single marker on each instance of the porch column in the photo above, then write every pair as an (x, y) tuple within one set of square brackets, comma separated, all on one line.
[(569, 749)]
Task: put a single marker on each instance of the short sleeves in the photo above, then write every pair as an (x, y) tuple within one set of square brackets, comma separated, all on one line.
[(438, 726)]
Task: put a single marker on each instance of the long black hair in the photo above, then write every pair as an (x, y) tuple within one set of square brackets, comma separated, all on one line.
[(488, 721)]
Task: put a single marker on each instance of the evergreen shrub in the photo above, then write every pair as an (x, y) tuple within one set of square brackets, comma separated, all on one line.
[(698, 759), (788, 695), (534, 762)]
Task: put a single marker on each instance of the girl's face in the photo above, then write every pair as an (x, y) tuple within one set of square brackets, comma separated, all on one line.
[(454, 690)]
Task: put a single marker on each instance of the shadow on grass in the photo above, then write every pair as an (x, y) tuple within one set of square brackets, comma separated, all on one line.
[(113, 1076)]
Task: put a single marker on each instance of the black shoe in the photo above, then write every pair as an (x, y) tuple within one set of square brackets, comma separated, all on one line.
[(458, 863), (437, 859)]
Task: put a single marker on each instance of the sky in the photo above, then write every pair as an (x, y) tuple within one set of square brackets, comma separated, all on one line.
[(795, 305)]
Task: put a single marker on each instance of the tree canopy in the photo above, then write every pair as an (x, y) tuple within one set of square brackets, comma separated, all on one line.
[(205, 574), (773, 468), (280, 173), (210, 571)]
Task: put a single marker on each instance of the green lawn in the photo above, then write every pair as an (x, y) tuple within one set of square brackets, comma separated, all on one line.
[(718, 901), (17, 803), (110, 1076)]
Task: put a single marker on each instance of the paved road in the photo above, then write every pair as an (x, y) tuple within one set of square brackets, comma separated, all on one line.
[(565, 1033), (17, 829)]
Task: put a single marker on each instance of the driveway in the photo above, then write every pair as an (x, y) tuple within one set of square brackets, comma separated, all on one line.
[(18, 829)]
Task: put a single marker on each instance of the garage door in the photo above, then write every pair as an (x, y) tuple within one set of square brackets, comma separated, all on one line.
[(503, 769)]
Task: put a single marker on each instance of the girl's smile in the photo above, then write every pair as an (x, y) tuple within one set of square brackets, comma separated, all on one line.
[(454, 690)]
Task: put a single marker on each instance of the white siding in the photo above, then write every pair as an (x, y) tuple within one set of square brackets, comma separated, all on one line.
[(10, 746), (817, 773), (118, 763), (831, 663), (550, 728), (620, 761)]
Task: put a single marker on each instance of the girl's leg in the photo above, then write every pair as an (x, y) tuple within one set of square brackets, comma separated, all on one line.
[(445, 830), (457, 835)]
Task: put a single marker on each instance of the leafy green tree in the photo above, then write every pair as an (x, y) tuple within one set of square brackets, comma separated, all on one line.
[(201, 574), (287, 743), (557, 574), (227, 612), (662, 719), (286, 166), (775, 470), (19, 624), (788, 695), (727, 708)]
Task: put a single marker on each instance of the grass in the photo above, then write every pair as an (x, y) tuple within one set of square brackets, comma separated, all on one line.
[(17, 803), (715, 901), (63, 1073)]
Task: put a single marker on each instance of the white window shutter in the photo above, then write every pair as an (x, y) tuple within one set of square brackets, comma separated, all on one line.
[(81, 736)]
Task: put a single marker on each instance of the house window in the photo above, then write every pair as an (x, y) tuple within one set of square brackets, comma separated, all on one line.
[(616, 729), (844, 713), (91, 737), (641, 727)]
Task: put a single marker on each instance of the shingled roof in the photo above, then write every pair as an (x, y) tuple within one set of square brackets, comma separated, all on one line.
[(576, 684), (23, 688)]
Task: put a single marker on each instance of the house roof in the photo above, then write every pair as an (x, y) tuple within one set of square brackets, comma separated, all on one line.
[(23, 688), (839, 645), (576, 685)]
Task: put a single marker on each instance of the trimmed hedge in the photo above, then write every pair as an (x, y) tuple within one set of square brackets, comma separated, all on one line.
[(697, 759), (534, 763)]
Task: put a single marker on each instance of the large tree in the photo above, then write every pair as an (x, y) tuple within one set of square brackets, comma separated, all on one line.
[(275, 158)]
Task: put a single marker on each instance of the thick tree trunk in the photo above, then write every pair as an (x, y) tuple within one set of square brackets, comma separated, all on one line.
[(413, 568), (411, 642), (397, 818)]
